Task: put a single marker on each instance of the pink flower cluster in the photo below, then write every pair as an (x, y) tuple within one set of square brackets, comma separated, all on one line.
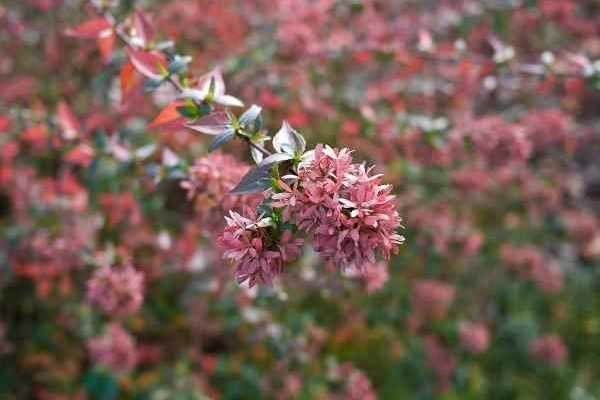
[(474, 337), (117, 291), (441, 361), (529, 263), (116, 349), (250, 244), (209, 182), (358, 385), (548, 349), (347, 210), (431, 298)]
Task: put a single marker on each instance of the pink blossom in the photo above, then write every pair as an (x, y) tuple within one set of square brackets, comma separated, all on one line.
[(117, 291), (432, 298), (549, 277), (209, 182), (376, 276), (549, 349), (474, 337), (349, 213), (115, 349), (441, 361), (358, 386), (256, 254)]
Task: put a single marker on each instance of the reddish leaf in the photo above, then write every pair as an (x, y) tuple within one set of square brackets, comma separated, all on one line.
[(169, 117), (81, 155), (128, 79), (143, 28), (68, 122), (149, 64), (91, 29), (106, 44), (35, 135), (4, 124)]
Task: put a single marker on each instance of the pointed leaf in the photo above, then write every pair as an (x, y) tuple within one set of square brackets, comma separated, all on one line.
[(168, 115), (127, 78), (169, 158), (212, 124), (222, 139), (82, 155), (288, 140), (91, 29), (258, 179), (150, 64), (69, 124), (194, 94), (143, 27), (276, 158), (145, 151), (250, 115), (256, 154), (228, 101), (179, 64), (106, 43)]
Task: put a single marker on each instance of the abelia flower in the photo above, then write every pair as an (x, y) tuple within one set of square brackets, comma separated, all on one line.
[(257, 255), (441, 360), (115, 349), (548, 349), (349, 213), (209, 182), (474, 337), (358, 386), (432, 298), (117, 291), (376, 276)]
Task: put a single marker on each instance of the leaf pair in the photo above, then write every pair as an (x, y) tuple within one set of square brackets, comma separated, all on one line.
[(211, 89), (224, 126), (288, 143)]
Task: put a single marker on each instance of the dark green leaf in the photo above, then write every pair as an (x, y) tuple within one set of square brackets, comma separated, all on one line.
[(222, 139), (256, 180), (248, 118), (276, 158), (288, 140)]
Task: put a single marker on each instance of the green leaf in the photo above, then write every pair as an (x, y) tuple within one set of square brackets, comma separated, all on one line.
[(150, 85), (189, 111), (276, 158), (248, 118), (179, 64), (256, 180), (288, 140), (222, 139)]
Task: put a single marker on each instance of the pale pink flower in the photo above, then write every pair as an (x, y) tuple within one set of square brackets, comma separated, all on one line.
[(117, 291), (358, 386), (549, 277), (474, 337), (256, 254), (432, 298), (441, 361), (210, 181), (350, 214), (115, 349), (548, 349), (376, 276)]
